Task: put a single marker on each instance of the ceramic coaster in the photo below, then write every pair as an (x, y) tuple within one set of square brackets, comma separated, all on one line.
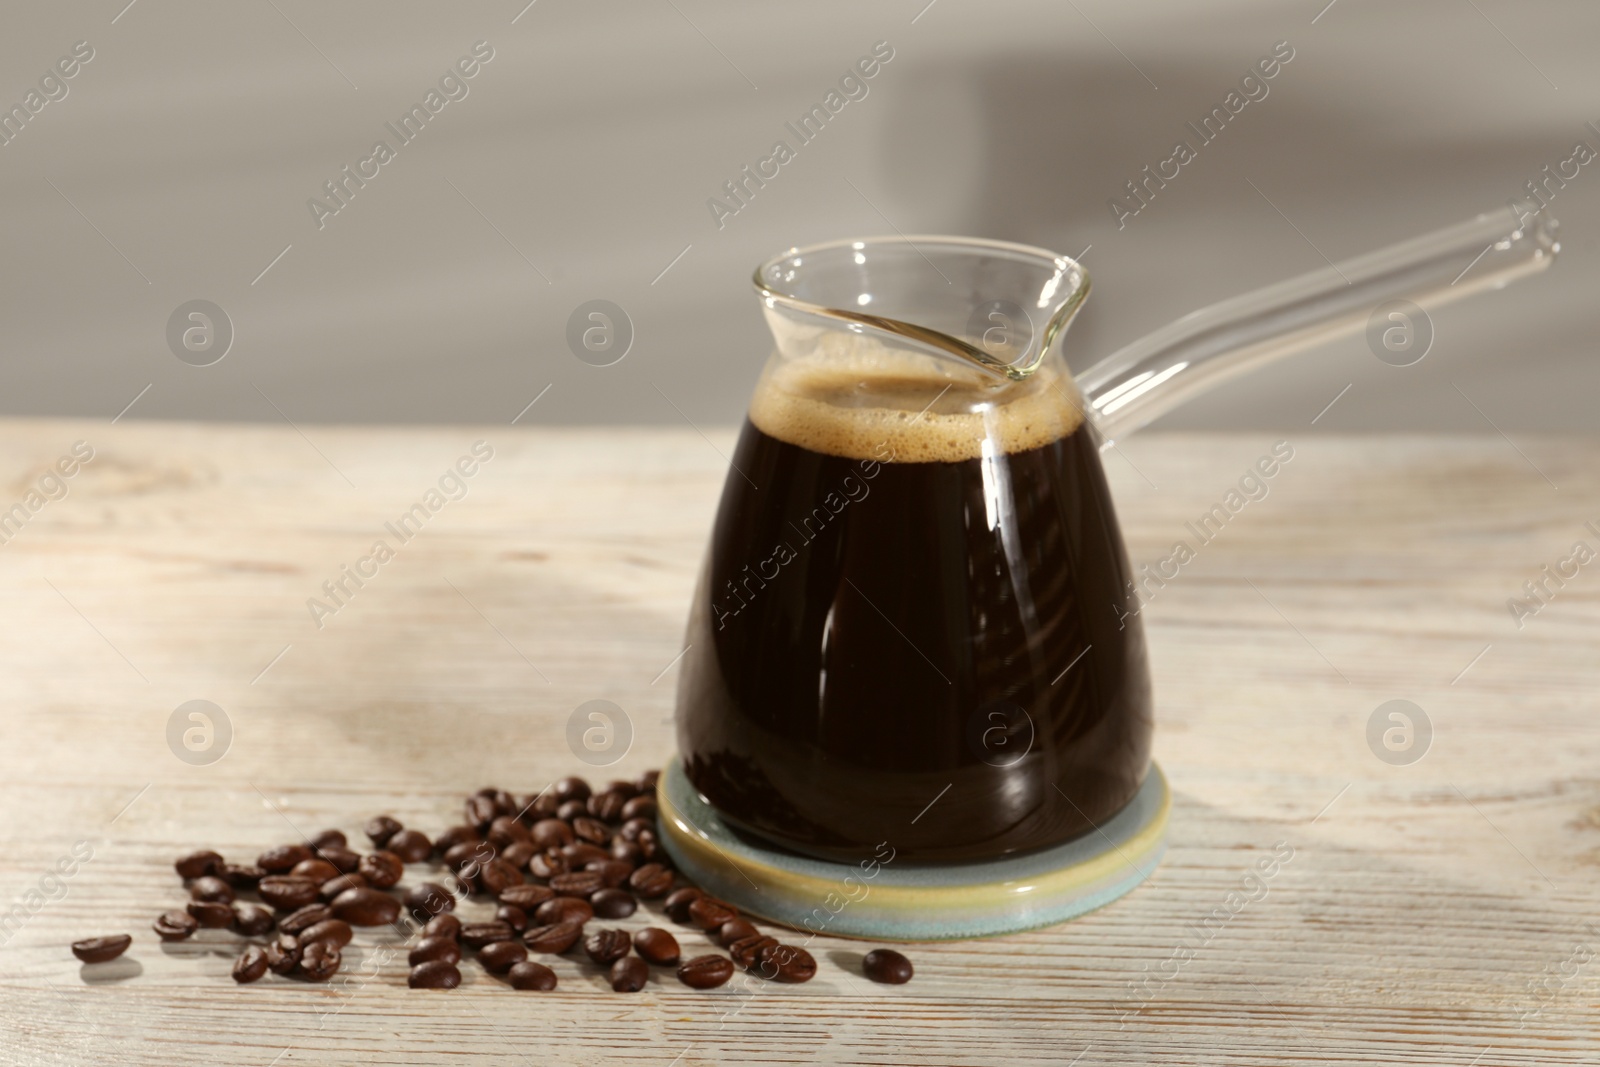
[(884, 901)]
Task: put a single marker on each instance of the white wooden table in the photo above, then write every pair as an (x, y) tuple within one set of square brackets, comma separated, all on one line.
[(1441, 912)]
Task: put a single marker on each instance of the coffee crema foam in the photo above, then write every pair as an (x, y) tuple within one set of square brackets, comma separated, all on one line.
[(862, 400)]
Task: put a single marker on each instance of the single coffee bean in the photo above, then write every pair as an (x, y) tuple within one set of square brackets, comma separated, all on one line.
[(547, 864), (518, 853), (530, 974), (319, 961), (366, 907), (197, 864), (252, 920), (454, 836), (629, 975), (435, 974), (564, 910), (480, 812), (572, 809), (678, 902), (209, 887), (656, 945), (175, 926), (647, 781), (380, 828), (328, 839), (428, 898), (477, 935), (734, 930), (316, 868), (251, 964), (591, 830), (613, 903), (543, 806), (443, 926), (634, 827), (607, 946), (497, 876), (623, 786), (504, 803), (551, 833), (746, 951), (286, 893), (571, 789), (466, 854), (606, 806), (381, 869), (101, 949), (650, 845), (554, 938), (211, 914), (580, 854), (640, 808), (626, 850), (300, 920), (512, 916), (435, 948), (334, 886), (708, 913), (526, 896), (282, 859), (240, 875), (412, 846), (506, 829), (887, 966), (705, 972), (346, 861), (576, 883), (786, 963), (651, 881), (498, 957), (283, 954), (613, 873), (335, 930)]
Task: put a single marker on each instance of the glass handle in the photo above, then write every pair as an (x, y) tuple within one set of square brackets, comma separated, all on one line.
[(1204, 348)]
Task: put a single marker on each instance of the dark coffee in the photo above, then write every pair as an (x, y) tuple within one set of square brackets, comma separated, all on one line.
[(915, 629)]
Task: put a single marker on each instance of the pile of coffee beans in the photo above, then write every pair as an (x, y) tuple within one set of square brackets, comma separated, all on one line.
[(548, 865)]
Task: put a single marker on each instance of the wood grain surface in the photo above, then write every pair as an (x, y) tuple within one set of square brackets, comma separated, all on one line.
[(1441, 912)]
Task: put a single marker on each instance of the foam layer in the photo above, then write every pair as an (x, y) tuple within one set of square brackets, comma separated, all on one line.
[(862, 400)]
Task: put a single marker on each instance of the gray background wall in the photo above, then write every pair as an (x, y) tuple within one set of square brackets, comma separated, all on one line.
[(180, 162)]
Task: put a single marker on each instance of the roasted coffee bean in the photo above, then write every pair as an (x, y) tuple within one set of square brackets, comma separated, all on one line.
[(543, 806), (678, 902), (613, 873), (708, 913), (381, 869), (505, 829), (496, 876), (613, 903), (647, 781), (412, 846), (498, 957), (480, 812), (591, 830), (786, 963), (365, 907), (640, 808), (197, 864), (572, 809), (319, 961), (547, 864), (209, 887), (286, 892), (626, 850), (650, 845), (283, 954), (606, 806), (564, 909), (443, 926), (428, 898), (336, 930), (518, 853), (705, 972), (576, 883), (466, 854), (282, 859), (435, 948), (629, 975), (734, 930), (746, 951), (316, 868), (550, 833), (571, 789), (380, 828), (302, 919), (211, 914), (553, 938), (887, 966), (530, 974), (512, 916), (526, 896), (329, 839), (607, 946), (101, 949), (240, 875), (333, 887), (580, 854), (651, 881), (252, 920), (454, 836), (251, 964), (435, 974), (476, 935), (634, 827), (175, 925), (624, 786), (656, 945), (504, 803), (346, 861)]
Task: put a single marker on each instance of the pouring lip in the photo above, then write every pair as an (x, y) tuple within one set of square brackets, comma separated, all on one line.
[(1062, 266)]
